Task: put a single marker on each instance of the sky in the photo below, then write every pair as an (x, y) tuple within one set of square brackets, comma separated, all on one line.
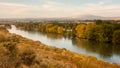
[(58, 8)]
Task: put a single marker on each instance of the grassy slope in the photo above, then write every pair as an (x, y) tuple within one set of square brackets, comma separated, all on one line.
[(20, 52)]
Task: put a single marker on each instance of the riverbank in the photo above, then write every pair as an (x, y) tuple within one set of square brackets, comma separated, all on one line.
[(27, 53), (98, 31)]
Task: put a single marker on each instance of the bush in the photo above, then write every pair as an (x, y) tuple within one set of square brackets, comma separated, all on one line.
[(28, 57), (2, 37), (11, 48), (2, 28)]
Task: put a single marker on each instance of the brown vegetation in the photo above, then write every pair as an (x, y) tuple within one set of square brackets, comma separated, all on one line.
[(19, 52)]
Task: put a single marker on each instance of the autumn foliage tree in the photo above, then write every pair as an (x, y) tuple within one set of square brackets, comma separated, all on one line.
[(116, 37)]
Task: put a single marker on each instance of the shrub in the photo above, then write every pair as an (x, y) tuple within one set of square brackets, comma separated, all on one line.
[(2, 37), (2, 28), (27, 57), (11, 48)]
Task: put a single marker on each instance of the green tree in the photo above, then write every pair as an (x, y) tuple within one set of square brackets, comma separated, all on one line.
[(116, 37)]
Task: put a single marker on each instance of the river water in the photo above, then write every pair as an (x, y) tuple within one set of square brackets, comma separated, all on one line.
[(103, 51)]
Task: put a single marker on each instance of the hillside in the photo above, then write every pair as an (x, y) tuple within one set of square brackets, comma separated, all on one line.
[(20, 52)]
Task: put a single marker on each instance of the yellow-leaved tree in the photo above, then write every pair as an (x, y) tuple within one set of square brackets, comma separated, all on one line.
[(59, 30)]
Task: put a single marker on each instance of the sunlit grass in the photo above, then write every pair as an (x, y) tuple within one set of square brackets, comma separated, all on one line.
[(19, 52)]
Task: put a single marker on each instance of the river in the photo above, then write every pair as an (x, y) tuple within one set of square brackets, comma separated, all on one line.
[(103, 51)]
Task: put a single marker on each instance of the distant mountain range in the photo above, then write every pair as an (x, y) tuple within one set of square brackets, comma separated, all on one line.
[(79, 17), (94, 17)]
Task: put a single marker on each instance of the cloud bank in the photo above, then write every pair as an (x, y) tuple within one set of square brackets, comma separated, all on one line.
[(51, 8)]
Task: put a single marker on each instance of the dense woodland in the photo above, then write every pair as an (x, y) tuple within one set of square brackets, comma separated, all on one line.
[(100, 31), (20, 52)]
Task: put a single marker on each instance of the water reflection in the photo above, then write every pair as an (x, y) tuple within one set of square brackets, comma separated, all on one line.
[(54, 36), (104, 51)]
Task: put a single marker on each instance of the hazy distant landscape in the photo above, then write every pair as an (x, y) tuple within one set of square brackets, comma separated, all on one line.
[(72, 18), (60, 34)]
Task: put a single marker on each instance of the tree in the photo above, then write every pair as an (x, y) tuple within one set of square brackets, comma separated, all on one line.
[(91, 31), (99, 21), (80, 30), (116, 37), (59, 30)]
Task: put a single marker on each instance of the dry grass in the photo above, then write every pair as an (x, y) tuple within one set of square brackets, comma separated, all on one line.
[(19, 52)]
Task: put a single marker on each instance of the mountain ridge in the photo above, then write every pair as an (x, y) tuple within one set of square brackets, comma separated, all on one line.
[(93, 17), (68, 18)]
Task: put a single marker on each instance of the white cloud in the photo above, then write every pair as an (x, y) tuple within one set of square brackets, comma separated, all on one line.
[(52, 2), (54, 9), (12, 4)]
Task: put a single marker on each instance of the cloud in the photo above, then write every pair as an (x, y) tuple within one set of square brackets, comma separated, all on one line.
[(102, 9), (56, 9), (12, 4)]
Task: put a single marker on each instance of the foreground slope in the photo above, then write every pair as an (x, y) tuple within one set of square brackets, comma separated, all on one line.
[(20, 52)]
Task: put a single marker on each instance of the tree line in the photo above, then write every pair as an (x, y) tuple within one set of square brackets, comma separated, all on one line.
[(100, 31)]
